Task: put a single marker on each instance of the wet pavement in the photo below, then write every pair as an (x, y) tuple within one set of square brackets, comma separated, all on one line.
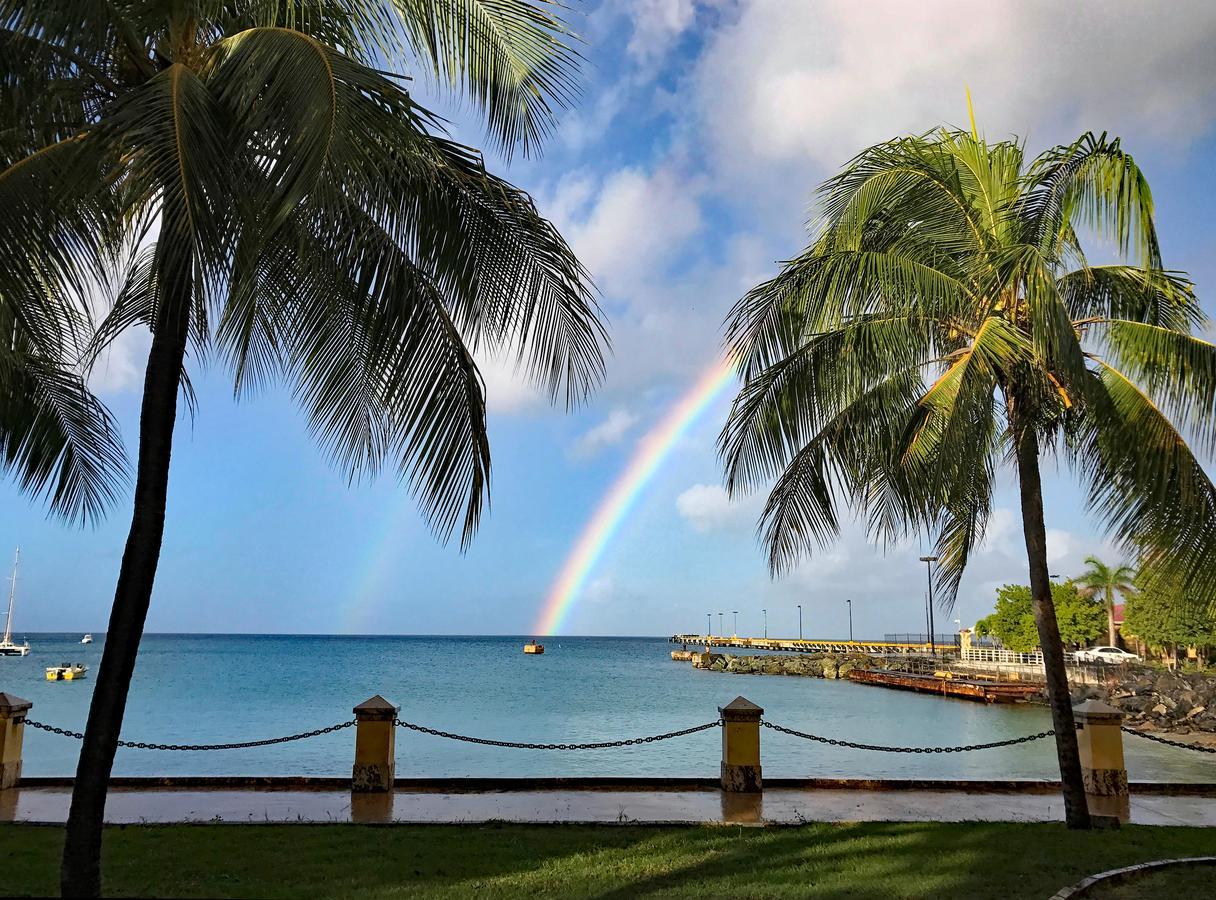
[(129, 805)]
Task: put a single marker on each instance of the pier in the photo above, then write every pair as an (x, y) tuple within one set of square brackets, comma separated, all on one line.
[(948, 684), (818, 645)]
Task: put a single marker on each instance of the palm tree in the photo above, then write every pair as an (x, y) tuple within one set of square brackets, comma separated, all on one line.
[(944, 255), (275, 200), (1106, 580)]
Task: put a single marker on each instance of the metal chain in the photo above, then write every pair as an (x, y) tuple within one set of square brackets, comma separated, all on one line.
[(841, 743), (144, 745), (521, 745), (1160, 740)]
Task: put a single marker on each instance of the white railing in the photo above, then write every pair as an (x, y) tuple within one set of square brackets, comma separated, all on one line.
[(1007, 657)]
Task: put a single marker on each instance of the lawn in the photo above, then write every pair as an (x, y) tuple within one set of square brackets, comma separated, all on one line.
[(848, 860)]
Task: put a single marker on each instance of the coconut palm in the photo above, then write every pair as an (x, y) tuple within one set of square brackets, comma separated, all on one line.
[(1104, 580), (275, 200), (943, 322)]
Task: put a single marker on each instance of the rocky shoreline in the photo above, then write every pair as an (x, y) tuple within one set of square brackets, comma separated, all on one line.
[(1173, 702), (1166, 702), (810, 665)]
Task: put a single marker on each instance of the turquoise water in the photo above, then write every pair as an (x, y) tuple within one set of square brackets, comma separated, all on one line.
[(221, 688)]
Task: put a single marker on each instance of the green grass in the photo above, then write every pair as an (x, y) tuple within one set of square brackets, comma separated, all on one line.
[(851, 860)]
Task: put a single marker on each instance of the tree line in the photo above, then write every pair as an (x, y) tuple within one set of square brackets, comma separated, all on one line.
[(1160, 617)]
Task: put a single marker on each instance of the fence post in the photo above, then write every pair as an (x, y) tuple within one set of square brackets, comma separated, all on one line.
[(1100, 736), (741, 746), (375, 746), (12, 729)]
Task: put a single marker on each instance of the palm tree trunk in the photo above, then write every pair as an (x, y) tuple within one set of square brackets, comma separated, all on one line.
[(1110, 617), (1076, 809), (80, 873)]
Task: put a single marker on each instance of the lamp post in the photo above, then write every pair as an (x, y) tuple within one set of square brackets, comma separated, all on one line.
[(721, 627), (799, 621), (709, 624), (735, 613), (849, 600), (765, 611), (929, 561)]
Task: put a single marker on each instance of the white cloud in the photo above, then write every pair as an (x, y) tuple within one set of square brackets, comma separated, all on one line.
[(656, 26), (707, 507), (120, 367), (507, 388), (608, 432), (825, 79), (629, 225)]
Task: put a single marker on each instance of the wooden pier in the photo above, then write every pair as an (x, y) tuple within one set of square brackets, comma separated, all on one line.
[(948, 684), (814, 645)]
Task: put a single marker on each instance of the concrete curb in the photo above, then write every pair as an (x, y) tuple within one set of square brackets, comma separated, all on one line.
[(450, 785), (1118, 876)]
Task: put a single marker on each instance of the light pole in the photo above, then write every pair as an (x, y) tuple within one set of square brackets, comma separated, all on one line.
[(929, 561), (799, 621), (709, 626), (765, 611), (849, 600), (735, 613), (721, 627)]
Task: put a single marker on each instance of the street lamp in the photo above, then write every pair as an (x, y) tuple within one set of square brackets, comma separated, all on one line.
[(735, 613), (765, 611), (721, 627), (709, 626), (799, 621), (849, 600), (929, 561)]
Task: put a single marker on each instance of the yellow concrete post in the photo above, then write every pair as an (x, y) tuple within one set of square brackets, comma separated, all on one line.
[(375, 746), (1100, 736), (741, 746), (12, 729)]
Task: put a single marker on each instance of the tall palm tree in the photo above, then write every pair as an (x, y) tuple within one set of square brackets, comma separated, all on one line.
[(943, 322), (1099, 578), (277, 201)]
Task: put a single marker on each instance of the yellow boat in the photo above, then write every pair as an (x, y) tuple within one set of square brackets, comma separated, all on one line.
[(73, 672), (533, 647)]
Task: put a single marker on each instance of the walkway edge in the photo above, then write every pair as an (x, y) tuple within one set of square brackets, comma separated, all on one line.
[(1127, 873)]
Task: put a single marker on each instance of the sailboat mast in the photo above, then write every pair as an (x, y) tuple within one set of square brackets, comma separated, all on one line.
[(12, 590)]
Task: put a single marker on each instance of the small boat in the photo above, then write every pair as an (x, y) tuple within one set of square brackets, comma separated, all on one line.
[(87, 639), (7, 647), (66, 672), (533, 647)]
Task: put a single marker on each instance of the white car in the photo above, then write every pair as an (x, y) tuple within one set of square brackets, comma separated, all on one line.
[(1106, 655)]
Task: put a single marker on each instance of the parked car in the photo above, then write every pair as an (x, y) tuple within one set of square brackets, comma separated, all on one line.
[(1106, 655)]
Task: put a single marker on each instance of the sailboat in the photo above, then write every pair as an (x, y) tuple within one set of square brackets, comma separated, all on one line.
[(7, 647)]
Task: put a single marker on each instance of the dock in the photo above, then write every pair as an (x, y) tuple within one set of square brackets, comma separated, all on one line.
[(814, 645), (947, 684)]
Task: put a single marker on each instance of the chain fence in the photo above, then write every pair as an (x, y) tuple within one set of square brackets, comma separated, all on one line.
[(838, 742), (604, 745), (523, 745), (1199, 748), (238, 745)]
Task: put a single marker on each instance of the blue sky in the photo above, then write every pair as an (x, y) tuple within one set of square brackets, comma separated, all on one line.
[(682, 178)]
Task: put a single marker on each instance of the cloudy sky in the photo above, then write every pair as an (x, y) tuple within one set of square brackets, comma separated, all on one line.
[(681, 180)]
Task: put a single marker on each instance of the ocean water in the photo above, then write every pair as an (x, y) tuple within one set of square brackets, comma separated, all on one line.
[(221, 688)]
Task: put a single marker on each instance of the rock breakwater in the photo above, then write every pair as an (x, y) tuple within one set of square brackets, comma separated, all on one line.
[(811, 665), (1180, 703)]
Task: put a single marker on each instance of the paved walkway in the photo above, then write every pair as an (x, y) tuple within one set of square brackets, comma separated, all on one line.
[(776, 806)]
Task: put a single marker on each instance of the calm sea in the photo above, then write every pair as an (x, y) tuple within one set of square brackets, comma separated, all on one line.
[(220, 688)]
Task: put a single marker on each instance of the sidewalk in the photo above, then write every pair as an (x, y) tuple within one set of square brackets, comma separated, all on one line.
[(785, 806)]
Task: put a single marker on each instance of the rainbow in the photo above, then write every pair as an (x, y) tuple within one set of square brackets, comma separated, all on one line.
[(651, 450)]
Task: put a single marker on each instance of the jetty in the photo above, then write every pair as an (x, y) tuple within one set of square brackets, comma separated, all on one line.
[(948, 684), (815, 645)]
